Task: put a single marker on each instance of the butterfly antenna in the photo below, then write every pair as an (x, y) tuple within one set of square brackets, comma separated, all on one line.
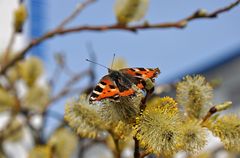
[(113, 60), (96, 63)]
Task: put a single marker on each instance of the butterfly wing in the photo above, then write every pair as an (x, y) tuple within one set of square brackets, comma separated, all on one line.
[(107, 88), (142, 72), (113, 85), (139, 75)]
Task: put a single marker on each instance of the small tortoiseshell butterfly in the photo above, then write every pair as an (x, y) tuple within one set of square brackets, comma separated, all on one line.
[(118, 83)]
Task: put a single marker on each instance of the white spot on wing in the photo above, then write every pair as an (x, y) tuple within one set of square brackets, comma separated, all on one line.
[(92, 98), (101, 85), (96, 92)]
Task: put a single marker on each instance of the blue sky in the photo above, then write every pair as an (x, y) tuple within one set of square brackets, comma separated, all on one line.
[(174, 51)]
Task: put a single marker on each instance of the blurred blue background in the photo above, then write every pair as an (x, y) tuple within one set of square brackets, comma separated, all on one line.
[(201, 46), (174, 51)]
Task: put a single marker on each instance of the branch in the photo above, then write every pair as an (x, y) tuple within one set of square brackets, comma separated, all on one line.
[(214, 109), (78, 9), (9, 47), (136, 153), (67, 88), (34, 42), (200, 14)]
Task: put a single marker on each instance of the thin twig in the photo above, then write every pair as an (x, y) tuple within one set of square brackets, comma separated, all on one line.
[(214, 109), (179, 25), (61, 66), (77, 77), (63, 93), (93, 57), (137, 153), (37, 41), (14, 111), (137, 148), (67, 90), (9, 47), (116, 152), (211, 111), (78, 9), (13, 116), (55, 76)]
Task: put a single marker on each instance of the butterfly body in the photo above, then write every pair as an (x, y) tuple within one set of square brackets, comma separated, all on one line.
[(119, 83)]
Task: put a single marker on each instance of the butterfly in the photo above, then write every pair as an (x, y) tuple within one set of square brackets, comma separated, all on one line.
[(118, 83)]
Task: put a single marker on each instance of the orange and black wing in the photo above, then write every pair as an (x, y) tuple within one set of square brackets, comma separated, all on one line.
[(141, 74), (106, 88)]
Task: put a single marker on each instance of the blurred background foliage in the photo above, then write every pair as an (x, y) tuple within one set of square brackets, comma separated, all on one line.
[(179, 117)]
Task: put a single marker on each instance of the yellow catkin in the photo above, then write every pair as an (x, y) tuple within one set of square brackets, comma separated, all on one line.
[(227, 128), (20, 16), (83, 118), (125, 110), (64, 142), (7, 100), (159, 127), (30, 70), (119, 63), (41, 151), (36, 98), (194, 136), (194, 94), (120, 116), (130, 10)]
